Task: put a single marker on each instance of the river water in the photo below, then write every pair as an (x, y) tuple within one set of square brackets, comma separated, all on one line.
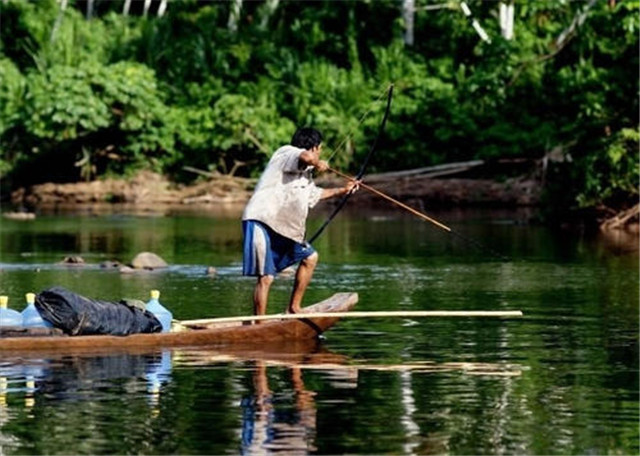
[(561, 380)]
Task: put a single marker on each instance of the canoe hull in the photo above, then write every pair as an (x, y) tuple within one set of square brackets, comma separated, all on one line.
[(236, 334)]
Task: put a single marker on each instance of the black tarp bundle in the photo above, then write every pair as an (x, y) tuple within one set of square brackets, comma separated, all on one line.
[(77, 315)]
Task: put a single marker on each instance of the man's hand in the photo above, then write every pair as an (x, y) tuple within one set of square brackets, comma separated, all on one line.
[(312, 157), (322, 166), (353, 186)]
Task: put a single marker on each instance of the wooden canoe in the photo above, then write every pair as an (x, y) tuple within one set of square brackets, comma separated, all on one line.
[(210, 334)]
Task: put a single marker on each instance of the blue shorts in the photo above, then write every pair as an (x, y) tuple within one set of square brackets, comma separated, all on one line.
[(266, 252)]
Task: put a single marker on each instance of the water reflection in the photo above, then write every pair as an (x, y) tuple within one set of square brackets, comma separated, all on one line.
[(268, 397), (270, 423), (564, 379), (68, 376)]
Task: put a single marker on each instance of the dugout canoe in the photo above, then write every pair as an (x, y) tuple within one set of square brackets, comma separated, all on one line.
[(207, 334)]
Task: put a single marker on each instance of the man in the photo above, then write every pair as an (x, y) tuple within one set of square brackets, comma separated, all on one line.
[(274, 221)]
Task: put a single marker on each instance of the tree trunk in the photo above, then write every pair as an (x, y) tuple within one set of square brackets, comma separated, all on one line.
[(268, 9), (408, 14), (474, 22), (619, 221), (162, 8), (506, 20), (56, 25), (89, 9), (578, 20), (126, 7), (234, 15), (147, 5)]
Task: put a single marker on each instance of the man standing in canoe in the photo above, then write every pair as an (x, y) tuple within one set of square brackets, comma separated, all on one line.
[(274, 220)]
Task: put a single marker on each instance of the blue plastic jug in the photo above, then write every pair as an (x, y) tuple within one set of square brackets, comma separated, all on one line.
[(160, 311), (31, 317), (8, 317)]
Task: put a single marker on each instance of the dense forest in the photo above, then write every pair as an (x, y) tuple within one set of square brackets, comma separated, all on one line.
[(99, 88)]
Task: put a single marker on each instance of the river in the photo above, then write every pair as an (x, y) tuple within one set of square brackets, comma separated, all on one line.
[(563, 379)]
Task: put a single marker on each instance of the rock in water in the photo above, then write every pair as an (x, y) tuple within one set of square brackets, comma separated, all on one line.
[(74, 260), (148, 260), (110, 264)]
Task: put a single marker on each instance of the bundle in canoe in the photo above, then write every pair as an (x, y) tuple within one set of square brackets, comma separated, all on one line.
[(211, 333)]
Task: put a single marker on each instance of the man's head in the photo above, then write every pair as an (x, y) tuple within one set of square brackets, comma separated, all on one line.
[(306, 138)]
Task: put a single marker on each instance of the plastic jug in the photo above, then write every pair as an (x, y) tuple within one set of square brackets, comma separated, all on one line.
[(160, 311), (8, 317), (31, 317)]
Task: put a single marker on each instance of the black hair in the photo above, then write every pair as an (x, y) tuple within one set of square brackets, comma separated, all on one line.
[(306, 138)]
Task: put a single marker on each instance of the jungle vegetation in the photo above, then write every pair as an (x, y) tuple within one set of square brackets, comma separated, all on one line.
[(100, 88)]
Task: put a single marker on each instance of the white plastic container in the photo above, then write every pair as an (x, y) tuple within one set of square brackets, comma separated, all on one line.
[(161, 312), (8, 317), (31, 317)]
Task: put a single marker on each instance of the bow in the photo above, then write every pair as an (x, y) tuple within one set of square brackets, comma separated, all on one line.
[(361, 171)]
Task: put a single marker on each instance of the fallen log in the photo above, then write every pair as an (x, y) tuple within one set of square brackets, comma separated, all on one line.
[(429, 171), (620, 220)]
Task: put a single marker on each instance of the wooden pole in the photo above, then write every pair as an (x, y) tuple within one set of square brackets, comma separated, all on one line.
[(394, 201), (359, 314), (470, 368)]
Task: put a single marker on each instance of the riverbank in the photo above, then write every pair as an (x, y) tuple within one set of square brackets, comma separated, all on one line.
[(147, 192), (144, 189), (148, 188)]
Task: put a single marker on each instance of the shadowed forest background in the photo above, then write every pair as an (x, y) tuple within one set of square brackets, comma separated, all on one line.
[(94, 89)]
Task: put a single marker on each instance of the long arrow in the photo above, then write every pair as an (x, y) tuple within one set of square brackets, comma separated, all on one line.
[(394, 201)]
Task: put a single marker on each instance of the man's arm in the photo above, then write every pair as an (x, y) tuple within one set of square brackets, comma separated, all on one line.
[(351, 186), (311, 157)]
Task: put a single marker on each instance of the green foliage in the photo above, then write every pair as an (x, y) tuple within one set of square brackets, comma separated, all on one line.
[(236, 127), (61, 104), (119, 93), (240, 120), (66, 103), (243, 126), (334, 100), (91, 108), (138, 111), (12, 88), (40, 34), (614, 174), (130, 89)]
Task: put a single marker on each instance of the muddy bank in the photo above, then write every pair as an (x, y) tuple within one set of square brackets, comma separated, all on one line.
[(148, 189), (516, 192), (144, 190), (152, 194)]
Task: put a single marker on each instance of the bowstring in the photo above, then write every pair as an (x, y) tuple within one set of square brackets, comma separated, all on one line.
[(477, 244), (344, 199), (351, 133)]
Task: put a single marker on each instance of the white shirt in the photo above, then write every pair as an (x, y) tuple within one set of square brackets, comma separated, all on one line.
[(284, 195)]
